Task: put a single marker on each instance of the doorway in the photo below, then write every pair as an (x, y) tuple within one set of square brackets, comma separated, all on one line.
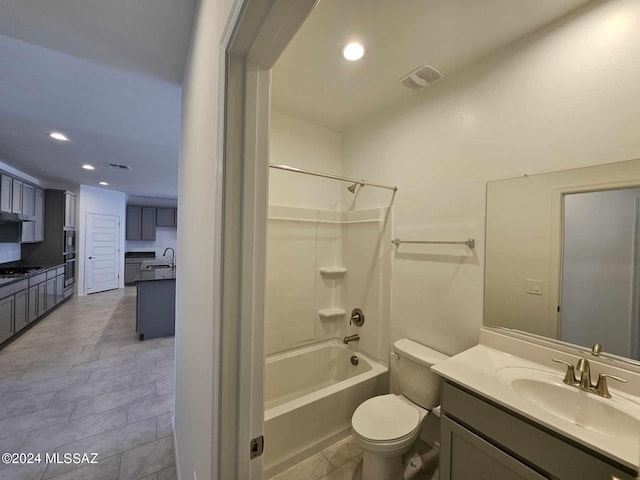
[(102, 248), (600, 271)]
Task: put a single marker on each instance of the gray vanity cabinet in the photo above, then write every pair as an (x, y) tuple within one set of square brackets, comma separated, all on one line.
[(481, 440), (6, 318)]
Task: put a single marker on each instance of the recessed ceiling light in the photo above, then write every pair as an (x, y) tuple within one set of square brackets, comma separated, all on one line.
[(86, 166), (353, 51), (104, 183), (59, 136)]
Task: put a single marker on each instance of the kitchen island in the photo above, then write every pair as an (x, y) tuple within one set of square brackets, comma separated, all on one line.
[(156, 303)]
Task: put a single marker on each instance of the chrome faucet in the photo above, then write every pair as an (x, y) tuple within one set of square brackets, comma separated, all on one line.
[(351, 338), (584, 382), (173, 255)]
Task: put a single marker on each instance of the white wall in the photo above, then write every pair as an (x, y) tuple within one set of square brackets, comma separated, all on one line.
[(105, 202), (197, 318), (301, 144), (560, 99)]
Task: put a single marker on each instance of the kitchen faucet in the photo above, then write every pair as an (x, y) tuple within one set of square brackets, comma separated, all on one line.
[(173, 256)]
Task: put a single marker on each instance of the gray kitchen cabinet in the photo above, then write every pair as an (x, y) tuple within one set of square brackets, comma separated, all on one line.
[(131, 271), (16, 201), (33, 303), (141, 223), (38, 233), (59, 288), (165, 217), (51, 293), (148, 225), (33, 205), (6, 193), (42, 298), (482, 441), (69, 210), (21, 310), (134, 223), (6, 317)]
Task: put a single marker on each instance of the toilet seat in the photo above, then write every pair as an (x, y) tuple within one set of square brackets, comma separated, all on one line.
[(384, 419)]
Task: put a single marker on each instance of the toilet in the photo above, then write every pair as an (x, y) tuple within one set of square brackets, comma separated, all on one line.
[(387, 425)]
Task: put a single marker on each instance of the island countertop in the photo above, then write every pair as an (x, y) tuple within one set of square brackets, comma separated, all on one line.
[(156, 274)]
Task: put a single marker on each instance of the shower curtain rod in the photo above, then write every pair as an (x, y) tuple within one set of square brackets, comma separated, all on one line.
[(334, 177)]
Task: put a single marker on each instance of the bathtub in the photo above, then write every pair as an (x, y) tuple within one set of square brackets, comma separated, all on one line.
[(310, 396)]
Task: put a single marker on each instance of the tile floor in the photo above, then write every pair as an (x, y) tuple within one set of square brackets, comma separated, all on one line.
[(80, 381), (343, 461)]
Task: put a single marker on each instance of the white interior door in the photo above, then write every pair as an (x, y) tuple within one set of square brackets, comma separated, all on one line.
[(102, 250)]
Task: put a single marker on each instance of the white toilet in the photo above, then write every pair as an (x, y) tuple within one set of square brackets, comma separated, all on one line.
[(385, 426)]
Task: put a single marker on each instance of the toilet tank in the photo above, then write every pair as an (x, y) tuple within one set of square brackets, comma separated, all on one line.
[(416, 381)]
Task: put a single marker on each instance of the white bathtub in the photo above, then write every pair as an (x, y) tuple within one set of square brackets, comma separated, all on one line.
[(310, 396)]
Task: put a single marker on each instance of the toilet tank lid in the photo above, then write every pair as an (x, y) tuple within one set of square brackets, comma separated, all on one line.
[(418, 353)]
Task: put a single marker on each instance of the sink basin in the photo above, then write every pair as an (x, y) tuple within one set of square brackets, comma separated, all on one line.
[(616, 416)]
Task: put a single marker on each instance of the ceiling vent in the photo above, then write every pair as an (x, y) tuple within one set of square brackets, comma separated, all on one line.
[(117, 166), (421, 77)]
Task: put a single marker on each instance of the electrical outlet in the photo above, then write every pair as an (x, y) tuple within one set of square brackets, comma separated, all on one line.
[(533, 287)]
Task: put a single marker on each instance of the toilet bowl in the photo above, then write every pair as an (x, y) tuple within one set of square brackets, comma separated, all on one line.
[(386, 426)]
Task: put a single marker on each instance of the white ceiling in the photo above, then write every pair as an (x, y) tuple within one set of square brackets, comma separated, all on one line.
[(313, 82), (107, 74)]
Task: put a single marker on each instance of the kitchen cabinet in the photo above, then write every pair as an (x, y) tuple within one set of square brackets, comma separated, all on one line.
[(59, 288), (21, 310), (33, 303), (42, 298), (483, 441), (16, 200), (33, 205), (38, 234), (6, 318), (141, 223), (131, 271), (166, 217), (69, 210), (28, 200), (6, 193), (51, 293)]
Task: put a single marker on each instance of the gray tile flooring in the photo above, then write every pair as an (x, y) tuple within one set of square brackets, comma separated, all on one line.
[(343, 461), (80, 381)]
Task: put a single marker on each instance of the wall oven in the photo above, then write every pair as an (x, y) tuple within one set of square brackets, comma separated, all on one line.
[(69, 241), (69, 269)]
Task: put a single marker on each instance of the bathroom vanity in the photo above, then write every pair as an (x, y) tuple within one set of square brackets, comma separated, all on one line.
[(511, 417)]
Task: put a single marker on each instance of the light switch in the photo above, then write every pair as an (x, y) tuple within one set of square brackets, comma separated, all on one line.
[(534, 287)]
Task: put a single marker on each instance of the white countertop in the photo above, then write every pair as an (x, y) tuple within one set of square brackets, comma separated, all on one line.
[(475, 369)]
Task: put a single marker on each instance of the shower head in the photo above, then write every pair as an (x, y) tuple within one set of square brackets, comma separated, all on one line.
[(352, 188)]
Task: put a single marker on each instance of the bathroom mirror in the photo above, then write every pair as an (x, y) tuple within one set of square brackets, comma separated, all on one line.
[(563, 256)]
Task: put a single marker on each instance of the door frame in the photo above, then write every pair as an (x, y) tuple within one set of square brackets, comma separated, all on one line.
[(262, 30), (86, 254)]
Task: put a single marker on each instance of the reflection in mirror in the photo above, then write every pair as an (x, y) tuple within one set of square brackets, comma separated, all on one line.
[(563, 256)]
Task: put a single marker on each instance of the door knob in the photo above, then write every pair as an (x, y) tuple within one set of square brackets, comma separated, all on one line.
[(90, 258)]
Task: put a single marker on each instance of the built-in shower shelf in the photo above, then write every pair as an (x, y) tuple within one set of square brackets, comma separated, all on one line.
[(333, 271), (329, 313)]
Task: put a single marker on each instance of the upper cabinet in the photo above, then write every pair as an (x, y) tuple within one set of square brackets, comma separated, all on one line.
[(69, 211), (16, 205), (142, 221), (33, 205), (6, 193), (166, 217)]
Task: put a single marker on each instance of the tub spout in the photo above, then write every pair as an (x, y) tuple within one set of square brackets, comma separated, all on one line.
[(351, 338)]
